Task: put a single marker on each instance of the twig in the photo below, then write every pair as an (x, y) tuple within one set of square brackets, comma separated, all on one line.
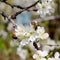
[(31, 5), (3, 14), (19, 12), (9, 18), (57, 17), (26, 8), (51, 45), (18, 6)]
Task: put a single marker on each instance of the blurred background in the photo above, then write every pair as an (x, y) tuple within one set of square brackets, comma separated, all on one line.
[(52, 26)]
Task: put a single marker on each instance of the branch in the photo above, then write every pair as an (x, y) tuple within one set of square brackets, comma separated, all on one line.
[(57, 17), (3, 14), (19, 12), (31, 5), (14, 16), (18, 6), (9, 18), (51, 45), (26, 8)]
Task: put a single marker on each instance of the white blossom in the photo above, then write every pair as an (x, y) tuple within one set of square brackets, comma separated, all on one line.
[(3, 34), (19, 31), (40, 30), (40, 55), (57, 55), (42, 34), (27, 36), (50, 58), (44, 8), (14, 43), (22, 53), (43, 59), (49, 42), (2, 6)]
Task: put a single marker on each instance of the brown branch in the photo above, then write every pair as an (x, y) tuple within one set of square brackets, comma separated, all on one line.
[(15, 5), (14, 16), (31, 5), (9, 18), (19, 12), (51, 45), (3, 14), (18, 6), (26, 8), (57, 17)]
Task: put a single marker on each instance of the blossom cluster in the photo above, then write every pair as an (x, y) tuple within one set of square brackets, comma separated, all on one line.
[(46, 7), (27, 36), (31, 35), (41, 55)]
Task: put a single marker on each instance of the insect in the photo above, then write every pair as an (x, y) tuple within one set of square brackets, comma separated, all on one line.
[(35, 45), (13, 36), (34, 25)]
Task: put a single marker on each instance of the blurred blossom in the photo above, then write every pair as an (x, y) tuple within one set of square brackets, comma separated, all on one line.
[(3, 34), (58, 43), (56, 56), (49, 42), (41, 32), (19, 31), (14, 43), (10, 27), (22, 53), (31, 46), (2, 6), (43, 59), (40, 55), (45, 8)]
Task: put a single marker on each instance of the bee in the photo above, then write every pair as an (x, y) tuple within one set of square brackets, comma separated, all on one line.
[(35, 45), (34, 24), (13, 36)]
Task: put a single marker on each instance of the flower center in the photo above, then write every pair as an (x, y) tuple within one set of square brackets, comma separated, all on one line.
[(43, 6)]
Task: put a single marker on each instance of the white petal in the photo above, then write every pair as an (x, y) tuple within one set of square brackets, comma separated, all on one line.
[(34, 56), (57, 55), (43, 59), (45, 53), (50, 59), (40, 30), (38, 6)]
